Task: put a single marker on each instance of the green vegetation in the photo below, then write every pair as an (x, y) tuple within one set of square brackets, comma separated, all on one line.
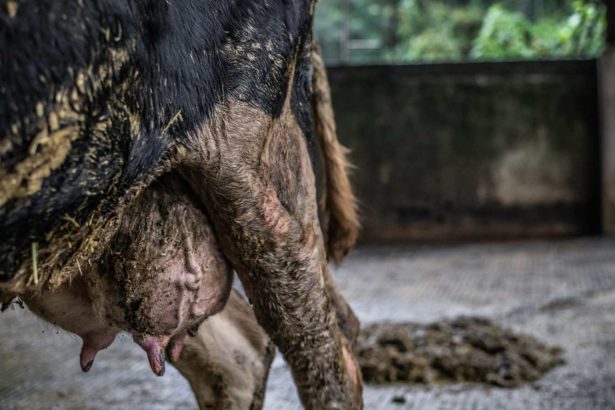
[(358, 31)]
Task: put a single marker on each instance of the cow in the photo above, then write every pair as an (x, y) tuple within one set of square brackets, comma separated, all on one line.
[(148, 150)]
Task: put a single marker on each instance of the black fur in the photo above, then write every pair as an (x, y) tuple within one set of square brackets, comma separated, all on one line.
[(183, 57)]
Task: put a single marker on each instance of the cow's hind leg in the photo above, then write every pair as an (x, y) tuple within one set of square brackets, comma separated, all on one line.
[(258, 185), (227, 361), (346, 318)]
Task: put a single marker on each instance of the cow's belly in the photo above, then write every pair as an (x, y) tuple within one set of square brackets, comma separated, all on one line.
[(161, 276)]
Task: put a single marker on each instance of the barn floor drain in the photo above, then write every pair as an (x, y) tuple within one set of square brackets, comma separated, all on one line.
[(463, 350)]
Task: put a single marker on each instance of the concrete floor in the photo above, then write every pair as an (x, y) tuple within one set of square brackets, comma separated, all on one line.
[(561, 292)]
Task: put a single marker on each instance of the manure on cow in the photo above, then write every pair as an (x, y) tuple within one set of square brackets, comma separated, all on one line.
[(463, 350)]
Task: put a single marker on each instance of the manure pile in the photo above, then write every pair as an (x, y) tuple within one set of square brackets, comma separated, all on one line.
[(463, 350)]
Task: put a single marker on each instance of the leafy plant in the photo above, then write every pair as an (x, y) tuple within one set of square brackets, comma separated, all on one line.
[(359, 31), (583, 32), (436, 31), (508, 34), (504, 34)]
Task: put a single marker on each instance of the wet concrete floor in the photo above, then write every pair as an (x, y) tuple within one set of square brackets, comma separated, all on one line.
[(562, 292)]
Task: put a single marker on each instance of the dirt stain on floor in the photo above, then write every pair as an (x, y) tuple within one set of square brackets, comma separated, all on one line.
[(463, 350)]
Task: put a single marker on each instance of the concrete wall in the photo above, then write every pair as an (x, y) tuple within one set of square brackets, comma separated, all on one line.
[(472, 151), (606, 87), (607, 110)]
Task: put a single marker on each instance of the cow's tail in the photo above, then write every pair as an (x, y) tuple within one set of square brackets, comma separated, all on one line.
[(338, 203)]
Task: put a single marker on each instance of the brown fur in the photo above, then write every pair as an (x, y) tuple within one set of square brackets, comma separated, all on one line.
[(341, 222), (241, 155)]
